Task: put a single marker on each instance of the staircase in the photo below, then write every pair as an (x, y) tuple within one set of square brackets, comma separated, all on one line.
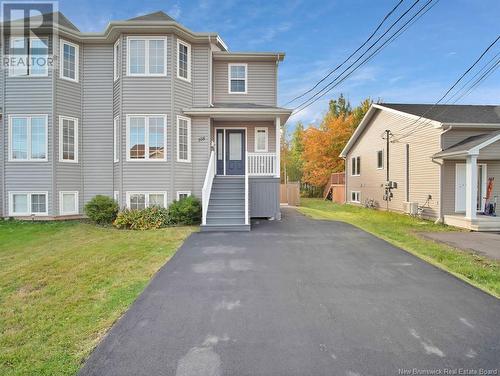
[(226, 208)]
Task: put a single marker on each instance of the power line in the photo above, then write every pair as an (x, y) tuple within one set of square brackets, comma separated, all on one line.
[(326, 89), (349, 57)]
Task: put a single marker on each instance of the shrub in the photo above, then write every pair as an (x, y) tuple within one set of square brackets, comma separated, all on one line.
[(102, 209), (145, 219), (186, 211)]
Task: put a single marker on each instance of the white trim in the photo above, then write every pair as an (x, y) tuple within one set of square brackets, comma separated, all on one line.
[(61, 207), (266, 148), (116, 139), (188, 120), (116, 60), (116, 196), (476, 149), (28, 117), (358, 193), (11, 68), (61, 59), (188, 46), (383, 164), (229, 78), (183, 193), (224, 150), (29, 194), (146, 39), (75, 124), (146, 194), (146, 140)]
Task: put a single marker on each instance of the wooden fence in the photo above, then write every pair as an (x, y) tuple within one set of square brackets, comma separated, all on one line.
[(290, 194)]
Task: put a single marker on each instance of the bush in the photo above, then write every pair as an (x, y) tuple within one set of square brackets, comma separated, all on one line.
[(102, 209), (186, 211), (145, 219)]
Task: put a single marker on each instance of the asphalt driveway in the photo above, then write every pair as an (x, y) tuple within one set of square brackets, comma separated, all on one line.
[(300, 297)]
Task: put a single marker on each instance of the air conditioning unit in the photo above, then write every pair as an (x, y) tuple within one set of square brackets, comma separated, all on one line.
[(410, 207)]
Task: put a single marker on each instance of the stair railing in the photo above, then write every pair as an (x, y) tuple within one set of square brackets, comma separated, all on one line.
[(207, 187), (247, 219)]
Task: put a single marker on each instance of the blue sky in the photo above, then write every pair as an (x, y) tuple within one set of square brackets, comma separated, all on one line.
[(316, 35)]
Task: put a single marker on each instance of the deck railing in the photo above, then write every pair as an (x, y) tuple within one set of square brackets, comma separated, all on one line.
[(207, 187), (261, 164), (247, 193)]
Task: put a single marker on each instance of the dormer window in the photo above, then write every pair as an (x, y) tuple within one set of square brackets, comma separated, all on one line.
[(237, 78)]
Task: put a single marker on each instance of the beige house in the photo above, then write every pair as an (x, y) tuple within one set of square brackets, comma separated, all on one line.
[(438, 162)]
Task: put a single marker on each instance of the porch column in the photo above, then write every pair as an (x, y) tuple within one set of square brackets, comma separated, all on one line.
[(471, 187), (278, 146)]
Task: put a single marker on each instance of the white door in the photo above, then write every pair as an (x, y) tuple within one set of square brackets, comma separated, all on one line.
[(460, 192)]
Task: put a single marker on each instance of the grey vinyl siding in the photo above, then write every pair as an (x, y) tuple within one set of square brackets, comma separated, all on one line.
[(28, 96), (97, 124), (148, 95), (491, 151), (117, 111), (201, 75), (68, 102), (200, 153), (261, 81), (264, 197)]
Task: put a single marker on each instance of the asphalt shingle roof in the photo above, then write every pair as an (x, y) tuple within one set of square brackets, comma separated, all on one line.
[(468, 143), (156, 16), (446, 113)]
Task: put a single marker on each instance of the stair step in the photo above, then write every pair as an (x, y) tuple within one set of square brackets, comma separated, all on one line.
[(225, 221), (227, 201), (232, 195), (217, 206), (223, 228)]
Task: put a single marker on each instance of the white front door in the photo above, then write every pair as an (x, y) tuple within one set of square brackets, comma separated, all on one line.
[(460, 191)]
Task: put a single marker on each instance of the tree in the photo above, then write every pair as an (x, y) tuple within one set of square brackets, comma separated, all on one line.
[(340, 107), (296, 149)]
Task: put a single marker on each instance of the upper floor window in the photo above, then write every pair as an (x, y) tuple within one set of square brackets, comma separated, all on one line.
[(29, 57), (237, 77), (261, 139), (116, 60), (68, 139), (69, 61), (147, 56), (356, 166), (183, 60), (146, 137), (380, 159), (183, 139), (28, 138)]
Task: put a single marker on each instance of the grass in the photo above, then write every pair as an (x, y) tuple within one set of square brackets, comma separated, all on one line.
[(403, 231), (63, 284)]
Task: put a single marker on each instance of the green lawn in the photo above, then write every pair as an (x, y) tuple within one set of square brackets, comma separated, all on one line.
[(402, 231), (63, 284)]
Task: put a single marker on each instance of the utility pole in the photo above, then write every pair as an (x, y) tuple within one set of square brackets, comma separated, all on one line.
[(388, 186), (388, 134)]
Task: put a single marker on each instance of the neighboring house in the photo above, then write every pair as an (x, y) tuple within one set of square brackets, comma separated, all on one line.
[(440, 157), (146, 112)]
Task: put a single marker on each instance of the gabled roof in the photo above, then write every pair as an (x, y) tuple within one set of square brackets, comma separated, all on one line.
[(56, 16), (469, 145), (451, 113), (155, 16)]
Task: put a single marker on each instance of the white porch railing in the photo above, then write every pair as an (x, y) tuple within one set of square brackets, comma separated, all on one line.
[(247, 216), (261, 164), (207, 186)]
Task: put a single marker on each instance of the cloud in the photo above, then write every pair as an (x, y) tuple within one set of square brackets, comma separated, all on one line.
[(175, 11), (269, 33)]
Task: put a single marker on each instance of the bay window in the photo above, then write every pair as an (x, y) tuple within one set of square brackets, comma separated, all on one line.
[(29, 57), (183, 139), (68, 139), (142, 200), (146, 56), (28, 138), (27, 203), (146, 137), (68, 203), (69, 53), (183, 61)]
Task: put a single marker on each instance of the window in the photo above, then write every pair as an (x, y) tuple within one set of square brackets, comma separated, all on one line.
[(116, 196), (356, 166), (237, 78), (68, 203), (146, 137), (183, 194), (142, 200), (27, 203), (116, 60), (29, 57), (28, 138), (68, 139), (261, 139), (380, 159), (116, 138), (147, 56), (183, 139), (183, 61), (69, 61), (355, 196)]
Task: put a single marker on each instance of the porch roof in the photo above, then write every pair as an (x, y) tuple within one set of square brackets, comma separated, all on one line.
[(240, 111), (470, 146)]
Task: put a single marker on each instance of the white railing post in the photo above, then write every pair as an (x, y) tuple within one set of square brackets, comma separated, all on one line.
[(207, 187), (247, 219), (261, 164), (278, 146)]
